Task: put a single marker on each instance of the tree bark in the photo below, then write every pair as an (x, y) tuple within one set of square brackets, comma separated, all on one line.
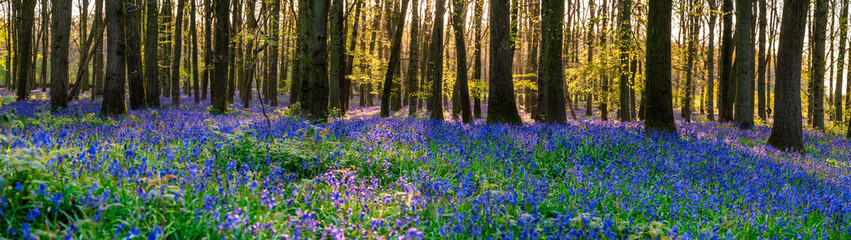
[(218, 82), (435, 104), (133, 39), (745, 64), (338, 49), (710, 62), (552, 24), (726, 93), (660, 110), (25, 20), (840, 62), (461, 58), (193, 31), (152, 89), (817, 79), (175, 57), (59, 58), (114, 93), (477, 60), (787, 133), (502, 107), (625, 29)]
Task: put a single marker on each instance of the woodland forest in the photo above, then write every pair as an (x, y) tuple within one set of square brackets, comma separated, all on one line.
[(425, 119)]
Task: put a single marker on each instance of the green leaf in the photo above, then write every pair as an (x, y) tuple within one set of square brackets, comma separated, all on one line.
[(2, 183)]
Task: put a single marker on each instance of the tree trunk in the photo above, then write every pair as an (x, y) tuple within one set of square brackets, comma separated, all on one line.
[(840, 78), (552, 64), (726, 91), (337, 54), (625, 44), (193, 31), (502, 107), (477, 60), (45, 19), (604, 76), (761, 61), (165, 48), (817, 79), (133, 39), (589, 38), (272, 80), (660, 109), (208, 48), (461, 64), (152, 89), (413, 61), (692, 51), (787, 133), (25, 20), (175, 57), (59, 58), (113, 97), (745, 64), (710, 62), (435, 104), (315, 86), (218, 82)]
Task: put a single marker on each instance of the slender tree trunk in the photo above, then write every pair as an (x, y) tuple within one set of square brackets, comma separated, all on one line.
[(45, 18), (761, 61), (193, 30), (660, 110), (726, 93), (604, 76), (152, 89), (113, 98), (745, 66), (337, 54), (817, 79), (692, 51), (477, 60), (208, 48), (461, 65), (59, 57), (435, 104), (625, 43), (272, 80), (589, 38), (83, 20), (165, 48), (218, 82), (840, 76), (710, 62), (25, 19), (175, 59), (787, 133), (413, 62), (315, 88), (552, 64), (133, 51), (502, 107)]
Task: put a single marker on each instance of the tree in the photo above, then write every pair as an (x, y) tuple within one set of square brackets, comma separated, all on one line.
[(477, 60), (338, 50), (725, 109), (461, 63), (218, 82), (315, 86), (660, 109), (710, 62), (208, 48), (817, 79), (502, 107), (272, 81), (132, 37), (840, 61), (113, 97), (175, 57), (193, 30), (59, 59), (692, 51), (413, 66), (393, 63), (347, 82), (152, 88), (435, 104), (761, 58), (552, 18), (625, 47), (24, 20), (787, 133), (98, 58), (744, 64)]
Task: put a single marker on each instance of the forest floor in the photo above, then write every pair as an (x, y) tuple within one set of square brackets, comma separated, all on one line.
[(181, 173)]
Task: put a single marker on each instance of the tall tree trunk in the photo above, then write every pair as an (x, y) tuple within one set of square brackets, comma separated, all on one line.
[(604, 76), (760, 109), (45, 18), (346, 84), (660, 109), (817, 79), (165, 48), (175, 57), (315, 87), (502, 107), (208, 48), (133, 51), (299, 57), (435, 104), (625, 43), (787, 133), (275, 15), (393, 63), (84, 15), (461, 65), (745, 64), (193, 30), (840, 62), (413, 61), (113, 97), (710, 62), (336, 57), (589, 38), (25, 20), (477, 60), (726, 93), (218, 82), (692, 51), (59, 58), (552, 64), (152, 89)]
